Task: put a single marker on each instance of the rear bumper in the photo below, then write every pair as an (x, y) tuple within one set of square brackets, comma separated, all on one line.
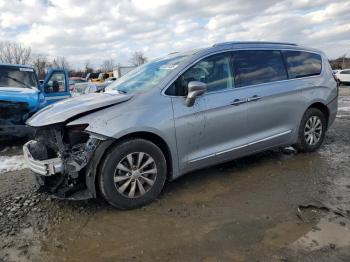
[(16, 130), (47, 167)]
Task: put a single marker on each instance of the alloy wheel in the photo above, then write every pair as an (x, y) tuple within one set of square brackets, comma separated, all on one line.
[(135, 174), (313, 130)]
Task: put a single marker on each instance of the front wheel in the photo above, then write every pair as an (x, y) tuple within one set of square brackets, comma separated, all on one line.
[(133, 174), (312, 130)]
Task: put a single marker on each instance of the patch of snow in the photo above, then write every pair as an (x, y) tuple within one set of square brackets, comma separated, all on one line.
[(12, 163)]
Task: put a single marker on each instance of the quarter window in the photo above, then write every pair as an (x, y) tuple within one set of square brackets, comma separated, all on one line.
[(215, 71), (258, 66), (302, 64)]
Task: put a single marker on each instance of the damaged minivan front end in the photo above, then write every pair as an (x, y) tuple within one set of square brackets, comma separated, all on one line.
[(59, 157), (64, 157)]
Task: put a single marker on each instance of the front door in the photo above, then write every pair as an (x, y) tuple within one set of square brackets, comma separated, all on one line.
[(213, 129), (56, 86)]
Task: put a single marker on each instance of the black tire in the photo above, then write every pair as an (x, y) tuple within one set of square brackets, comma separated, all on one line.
[(303, 145), (107, 186)]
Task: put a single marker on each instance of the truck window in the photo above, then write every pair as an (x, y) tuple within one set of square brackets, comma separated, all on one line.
[(18, 77), (56, 84)]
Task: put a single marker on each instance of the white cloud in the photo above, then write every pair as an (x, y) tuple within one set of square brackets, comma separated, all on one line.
[(99, 30)]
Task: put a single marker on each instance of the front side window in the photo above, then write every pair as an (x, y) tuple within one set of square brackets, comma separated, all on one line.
[(56, 84), (254, 67), (214, 70), (345, 72), (302, 64)]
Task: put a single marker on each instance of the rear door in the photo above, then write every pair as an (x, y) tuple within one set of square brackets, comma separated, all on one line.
[(213, 129), (56, 86), (272, 102)]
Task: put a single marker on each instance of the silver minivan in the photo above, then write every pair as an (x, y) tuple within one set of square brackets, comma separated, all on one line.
[(179, 113)]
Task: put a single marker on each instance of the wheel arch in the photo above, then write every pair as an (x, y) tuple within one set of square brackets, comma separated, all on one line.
[(101, 152), (322, 107)]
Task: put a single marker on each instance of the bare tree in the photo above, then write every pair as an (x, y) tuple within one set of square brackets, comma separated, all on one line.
[(108, 65), (60, 62), (41, 64), (87, 67), (138, 58), (14, 53)]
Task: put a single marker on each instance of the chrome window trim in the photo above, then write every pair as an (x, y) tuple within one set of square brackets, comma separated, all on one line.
[(241, 146), (163, 90)]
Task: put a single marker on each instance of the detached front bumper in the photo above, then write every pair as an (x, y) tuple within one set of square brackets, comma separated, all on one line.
[(65, 172), (46, 167)]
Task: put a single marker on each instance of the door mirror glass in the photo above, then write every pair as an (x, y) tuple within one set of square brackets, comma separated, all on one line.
[(56, 83), (195, 88)]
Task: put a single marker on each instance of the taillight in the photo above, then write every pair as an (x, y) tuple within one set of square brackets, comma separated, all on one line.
[(337, 81)]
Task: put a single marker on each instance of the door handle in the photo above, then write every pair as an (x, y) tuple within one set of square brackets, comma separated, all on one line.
[(237, 102), (254, 98)]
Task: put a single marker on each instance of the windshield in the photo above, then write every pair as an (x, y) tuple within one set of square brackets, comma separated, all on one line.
[(147, 76), (18, 77)]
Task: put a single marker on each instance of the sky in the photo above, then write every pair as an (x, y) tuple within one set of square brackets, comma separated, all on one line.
[(83, 30)]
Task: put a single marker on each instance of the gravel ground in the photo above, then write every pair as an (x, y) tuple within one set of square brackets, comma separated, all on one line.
[(273, 206)]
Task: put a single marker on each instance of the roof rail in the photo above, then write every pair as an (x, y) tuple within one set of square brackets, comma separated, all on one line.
[(253, 42)]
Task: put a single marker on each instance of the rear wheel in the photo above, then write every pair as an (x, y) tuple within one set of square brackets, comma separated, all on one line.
[(133, 174), (311, 131)]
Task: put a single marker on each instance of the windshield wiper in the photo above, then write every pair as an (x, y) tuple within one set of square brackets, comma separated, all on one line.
[(18, 81), (122, 91)]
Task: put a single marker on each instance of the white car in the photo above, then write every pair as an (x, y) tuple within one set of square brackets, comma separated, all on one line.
[(84, 88), (343, 76)]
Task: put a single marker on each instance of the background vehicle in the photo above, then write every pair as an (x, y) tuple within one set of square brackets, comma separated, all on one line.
[(102, 77), (92, 76), (180, 113), (343, 76), (122, 70), (110, 80), (86, 88), (21, 96), (76, 81)]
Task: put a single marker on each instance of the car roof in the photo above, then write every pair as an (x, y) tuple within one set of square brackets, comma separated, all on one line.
[(239, 45), (14, 65), (260, 45)]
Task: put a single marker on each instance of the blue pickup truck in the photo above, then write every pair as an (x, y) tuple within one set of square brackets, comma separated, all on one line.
[(21, 96)]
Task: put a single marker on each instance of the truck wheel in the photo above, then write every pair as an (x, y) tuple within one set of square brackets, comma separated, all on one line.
[(312, 130), (133, 174)]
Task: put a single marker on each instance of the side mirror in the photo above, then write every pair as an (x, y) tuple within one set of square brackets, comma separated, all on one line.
[(195, 88)]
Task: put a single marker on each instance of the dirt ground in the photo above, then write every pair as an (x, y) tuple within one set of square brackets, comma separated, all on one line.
[(273, 206)]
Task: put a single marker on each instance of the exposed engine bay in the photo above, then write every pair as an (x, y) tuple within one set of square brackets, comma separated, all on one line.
[(59, 156)]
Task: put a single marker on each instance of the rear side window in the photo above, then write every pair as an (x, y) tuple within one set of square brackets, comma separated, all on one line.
[(254, 67), (302, 64)]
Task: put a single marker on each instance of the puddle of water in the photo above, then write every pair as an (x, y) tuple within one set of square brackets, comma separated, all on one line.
[(331, 232), (285, 233)]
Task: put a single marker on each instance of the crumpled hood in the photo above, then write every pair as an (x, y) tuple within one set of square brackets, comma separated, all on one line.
[(62, 111), (18, 94)]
